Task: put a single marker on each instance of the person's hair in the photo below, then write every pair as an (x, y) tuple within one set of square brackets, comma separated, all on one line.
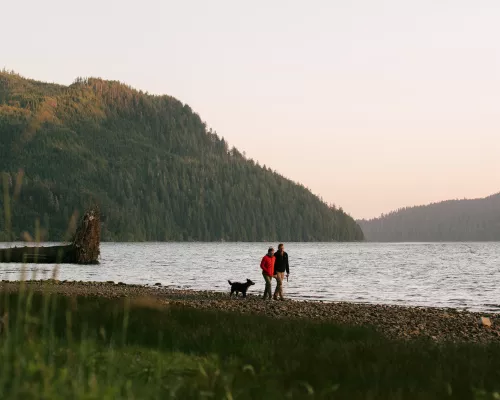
[(280, 245), (270, 250)]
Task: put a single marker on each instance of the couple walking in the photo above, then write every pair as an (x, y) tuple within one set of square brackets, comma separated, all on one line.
[(274, 265)]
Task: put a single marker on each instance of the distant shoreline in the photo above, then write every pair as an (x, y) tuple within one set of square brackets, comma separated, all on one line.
[(393, 321)]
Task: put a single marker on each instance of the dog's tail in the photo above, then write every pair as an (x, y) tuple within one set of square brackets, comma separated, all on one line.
[(229, 282)]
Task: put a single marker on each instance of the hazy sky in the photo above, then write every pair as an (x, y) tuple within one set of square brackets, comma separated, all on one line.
[(371, 104)]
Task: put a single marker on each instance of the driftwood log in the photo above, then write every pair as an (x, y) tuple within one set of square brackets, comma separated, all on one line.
[(84, 248)]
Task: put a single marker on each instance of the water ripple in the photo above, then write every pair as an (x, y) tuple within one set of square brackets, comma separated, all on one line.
[(463, 275)]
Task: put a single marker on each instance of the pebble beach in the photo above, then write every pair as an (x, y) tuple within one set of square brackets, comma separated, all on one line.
[(395, 322)]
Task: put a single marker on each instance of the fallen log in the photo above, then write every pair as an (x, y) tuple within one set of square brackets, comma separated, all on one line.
[(84, 248)]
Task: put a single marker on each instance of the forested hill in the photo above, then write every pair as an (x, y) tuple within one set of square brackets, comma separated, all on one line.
[(149, 162), (453, 220)]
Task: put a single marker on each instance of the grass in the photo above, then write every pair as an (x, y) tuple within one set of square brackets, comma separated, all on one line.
[(57, 347)]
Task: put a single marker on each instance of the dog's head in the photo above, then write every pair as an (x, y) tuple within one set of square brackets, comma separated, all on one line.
[(250, 283)]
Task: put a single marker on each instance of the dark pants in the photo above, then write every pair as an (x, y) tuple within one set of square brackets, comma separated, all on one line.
[(267, 291)]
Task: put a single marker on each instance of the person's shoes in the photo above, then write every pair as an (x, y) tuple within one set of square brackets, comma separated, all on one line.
[(275, 298), (282, 299)]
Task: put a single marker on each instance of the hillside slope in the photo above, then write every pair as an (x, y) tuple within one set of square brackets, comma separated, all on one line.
[(151, 164), (453, 220)]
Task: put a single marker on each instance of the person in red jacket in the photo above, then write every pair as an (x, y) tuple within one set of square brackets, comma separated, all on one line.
[(267, 266)]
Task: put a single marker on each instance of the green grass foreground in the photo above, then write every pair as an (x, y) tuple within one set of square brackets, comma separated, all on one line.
[(57, 347)]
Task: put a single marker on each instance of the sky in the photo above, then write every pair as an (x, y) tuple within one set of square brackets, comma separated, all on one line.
[(372, 104)]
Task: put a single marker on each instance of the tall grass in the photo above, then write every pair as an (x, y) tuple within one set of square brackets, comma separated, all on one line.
[(54, 347)]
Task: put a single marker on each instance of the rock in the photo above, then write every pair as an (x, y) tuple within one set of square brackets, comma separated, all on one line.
[(485, 322), (157, 284)]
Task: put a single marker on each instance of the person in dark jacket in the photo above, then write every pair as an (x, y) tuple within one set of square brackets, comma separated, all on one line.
[(267, 266), (280, 267)]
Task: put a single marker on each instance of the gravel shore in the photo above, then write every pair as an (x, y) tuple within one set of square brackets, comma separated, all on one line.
[(438, 324)]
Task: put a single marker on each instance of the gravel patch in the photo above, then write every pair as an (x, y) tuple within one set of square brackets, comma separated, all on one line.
[(437, 324)]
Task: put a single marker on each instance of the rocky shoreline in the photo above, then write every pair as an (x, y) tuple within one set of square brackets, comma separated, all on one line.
[(398, 322)]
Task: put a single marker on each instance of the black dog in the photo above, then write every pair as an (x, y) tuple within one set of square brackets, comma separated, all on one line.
[(240, 287)]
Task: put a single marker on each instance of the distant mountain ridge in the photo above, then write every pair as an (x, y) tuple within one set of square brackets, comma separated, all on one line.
[(451, 220), (151, 164)]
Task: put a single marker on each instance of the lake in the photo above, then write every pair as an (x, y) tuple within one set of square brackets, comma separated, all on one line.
[(458, 275)]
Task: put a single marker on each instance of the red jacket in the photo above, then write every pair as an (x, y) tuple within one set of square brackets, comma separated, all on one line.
[(267, 265)]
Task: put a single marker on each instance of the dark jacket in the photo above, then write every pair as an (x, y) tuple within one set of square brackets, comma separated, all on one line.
[(281, 263)]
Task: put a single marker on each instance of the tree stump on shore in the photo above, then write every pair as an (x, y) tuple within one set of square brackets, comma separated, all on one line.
[(87, 238), (84, 249)]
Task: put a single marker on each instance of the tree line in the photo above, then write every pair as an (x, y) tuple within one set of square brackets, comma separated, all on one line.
[(155, 169), (453, 220)]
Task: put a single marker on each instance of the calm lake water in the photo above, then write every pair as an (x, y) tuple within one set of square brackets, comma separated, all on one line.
[(459, 275)]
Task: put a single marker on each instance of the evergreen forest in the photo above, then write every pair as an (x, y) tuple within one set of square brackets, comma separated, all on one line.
[(447, 221), (150, 163)]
